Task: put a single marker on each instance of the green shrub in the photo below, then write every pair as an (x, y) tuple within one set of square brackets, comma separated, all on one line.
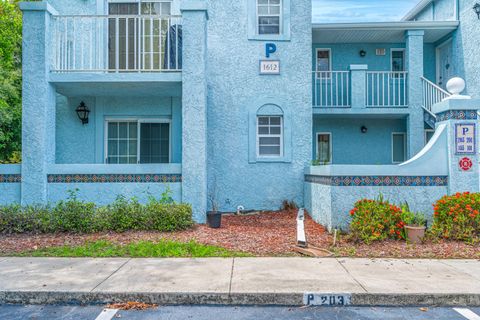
[(458, 217), (74, 215), (376, 220)]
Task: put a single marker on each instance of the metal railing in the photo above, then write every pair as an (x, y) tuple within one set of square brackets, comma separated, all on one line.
[(331, 89), (386, 89), (117, 43), (432, 94)]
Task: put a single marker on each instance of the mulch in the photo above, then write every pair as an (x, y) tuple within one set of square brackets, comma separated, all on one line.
[(265, 234)]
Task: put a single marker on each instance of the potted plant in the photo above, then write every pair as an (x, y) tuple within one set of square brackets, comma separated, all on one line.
[(214, 217), (415, 228)]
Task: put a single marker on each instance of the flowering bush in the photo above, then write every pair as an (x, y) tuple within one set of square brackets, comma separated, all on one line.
[(374, 220), (458, 217)]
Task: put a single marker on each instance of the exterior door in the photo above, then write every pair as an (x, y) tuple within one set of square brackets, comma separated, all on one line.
[(445, 67)]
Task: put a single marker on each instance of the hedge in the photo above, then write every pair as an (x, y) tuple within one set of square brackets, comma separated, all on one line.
[(74, 215)]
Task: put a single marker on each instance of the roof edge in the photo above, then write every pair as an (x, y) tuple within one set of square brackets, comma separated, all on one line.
[(397, 25), (417, 9)]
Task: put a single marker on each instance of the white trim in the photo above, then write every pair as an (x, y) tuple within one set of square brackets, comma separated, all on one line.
[(281, 136), (390, 26), (404, 59), (330, 142), (139, 121), (280, 20), (404, 146)]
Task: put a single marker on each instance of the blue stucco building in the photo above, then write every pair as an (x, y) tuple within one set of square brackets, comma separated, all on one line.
[(227, 102)]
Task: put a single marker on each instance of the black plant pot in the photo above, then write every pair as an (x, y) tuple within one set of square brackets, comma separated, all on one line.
[(214, 219)]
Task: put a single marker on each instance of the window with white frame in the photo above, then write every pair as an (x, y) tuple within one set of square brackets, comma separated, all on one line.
[(324, 147), (399, 147), (135, 43), (323, 63), (137, 141), (269, 16), (270, 136), (398, 60)]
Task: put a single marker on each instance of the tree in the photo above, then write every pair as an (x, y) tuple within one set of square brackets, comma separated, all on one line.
[(10, 81)]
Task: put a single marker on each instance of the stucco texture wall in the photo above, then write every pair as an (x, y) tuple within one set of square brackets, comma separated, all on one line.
[(77, 143), (235, 89), (351, 146)]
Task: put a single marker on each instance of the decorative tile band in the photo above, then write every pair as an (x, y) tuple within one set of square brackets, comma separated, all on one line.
[(457, 115), (10, 178), (114, 178), (379, 181)]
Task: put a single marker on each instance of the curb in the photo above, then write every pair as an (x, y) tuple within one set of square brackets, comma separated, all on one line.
[(280, 299)]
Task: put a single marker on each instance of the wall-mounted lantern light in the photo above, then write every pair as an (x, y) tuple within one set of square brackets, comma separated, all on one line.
[(82, 112), (363, 53), (476, 8), (364, 129)]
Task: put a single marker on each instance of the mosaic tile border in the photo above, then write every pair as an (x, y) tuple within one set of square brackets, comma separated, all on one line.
[(10, 178), (379, 181), (114, 178), (457, 115)]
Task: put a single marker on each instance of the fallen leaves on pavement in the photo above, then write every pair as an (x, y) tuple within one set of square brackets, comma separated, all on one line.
[(131, 305)]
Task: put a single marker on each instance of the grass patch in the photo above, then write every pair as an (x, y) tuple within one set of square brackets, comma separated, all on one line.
[(141, 249)]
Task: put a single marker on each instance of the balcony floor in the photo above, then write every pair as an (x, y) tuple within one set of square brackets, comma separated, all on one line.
[(118, 84)]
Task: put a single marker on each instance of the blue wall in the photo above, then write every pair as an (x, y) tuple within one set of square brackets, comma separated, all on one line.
[(236, 90), (77, 143), (351, 146)]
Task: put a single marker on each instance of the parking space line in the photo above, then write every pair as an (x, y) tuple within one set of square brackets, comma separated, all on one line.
[(107, 314), (467, 313)]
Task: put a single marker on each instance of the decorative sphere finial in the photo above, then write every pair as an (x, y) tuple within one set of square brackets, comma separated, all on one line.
[(456, 85)]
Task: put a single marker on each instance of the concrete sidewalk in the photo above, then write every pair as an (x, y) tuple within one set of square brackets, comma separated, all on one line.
[(262, 281)]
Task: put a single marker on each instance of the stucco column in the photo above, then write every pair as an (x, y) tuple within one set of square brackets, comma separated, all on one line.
[(414, 66), (38, 102), (358, 84), (461, 119), (194, 107)]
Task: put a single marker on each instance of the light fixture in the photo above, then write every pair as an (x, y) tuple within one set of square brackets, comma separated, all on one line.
[(363, 53), (364, 129), (82, 112), (476, 8)]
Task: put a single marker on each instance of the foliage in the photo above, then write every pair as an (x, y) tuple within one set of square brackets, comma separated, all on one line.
[(288, 205), (458, 217), (10, 81), (411, 218), (141, 249), (375, 220), (74, 215)]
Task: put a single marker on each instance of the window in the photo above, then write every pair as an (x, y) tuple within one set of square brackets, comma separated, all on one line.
[(399, 147), (137, 141), (324, 148), (428, 135), (270, 136), (269, 14), (398, 60), (323, 63), (140, 42)]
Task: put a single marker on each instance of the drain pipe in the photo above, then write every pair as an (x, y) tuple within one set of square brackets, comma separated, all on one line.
[(240, 209), (301, 238)]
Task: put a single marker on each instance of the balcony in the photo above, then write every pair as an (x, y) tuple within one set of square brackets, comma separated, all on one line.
[(128, 43), (112, 55), (375, 89)]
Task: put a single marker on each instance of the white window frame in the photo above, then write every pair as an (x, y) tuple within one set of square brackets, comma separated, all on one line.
[(139, 121), (425, 133), (139, 2), (330, 63), (404, 58), (330, 146), (404, 134), (281, 136), (280, 20)]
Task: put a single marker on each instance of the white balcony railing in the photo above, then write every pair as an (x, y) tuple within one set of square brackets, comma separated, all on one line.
[(129, 43), (432, 94), (386, 89), (331, 89)]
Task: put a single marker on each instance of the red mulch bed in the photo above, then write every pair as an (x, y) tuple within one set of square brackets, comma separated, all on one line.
[(266, 234)]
